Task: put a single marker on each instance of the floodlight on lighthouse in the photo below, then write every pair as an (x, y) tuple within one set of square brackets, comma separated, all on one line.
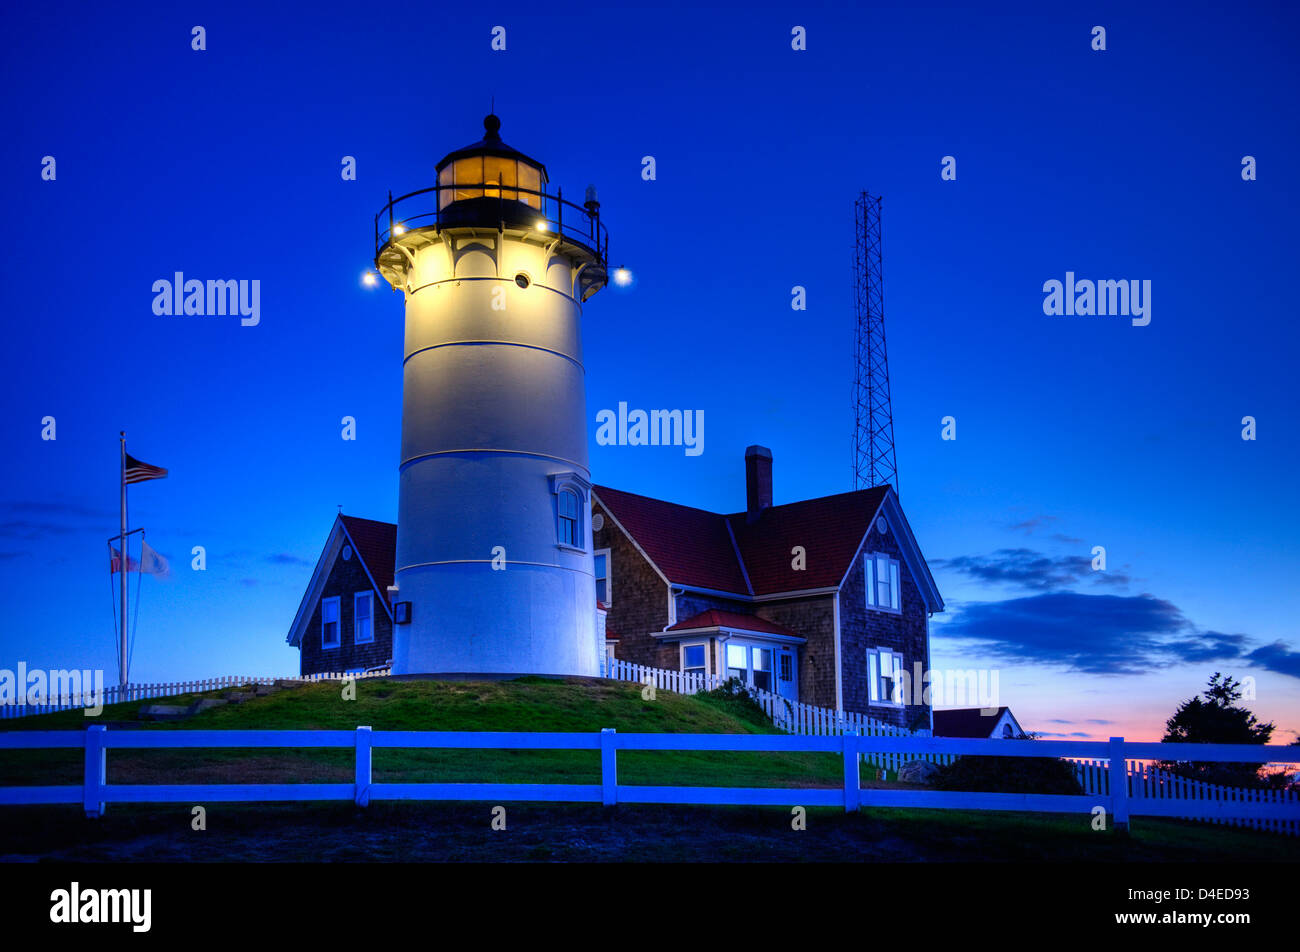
[(369, 279), (399, 230), (541, 225), (622, 277)]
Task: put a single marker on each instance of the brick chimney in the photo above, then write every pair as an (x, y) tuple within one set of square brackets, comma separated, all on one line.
[(758, 481)]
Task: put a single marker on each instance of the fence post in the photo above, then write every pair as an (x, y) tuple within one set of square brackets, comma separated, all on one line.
[(608, 768), (1118, 785), (362, 779), (852, 780), (96, 774)]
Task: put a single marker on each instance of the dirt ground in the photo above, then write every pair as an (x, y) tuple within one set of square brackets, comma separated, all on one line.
[(442, 832)]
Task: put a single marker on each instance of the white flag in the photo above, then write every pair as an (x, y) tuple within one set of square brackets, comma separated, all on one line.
[(151, 563)]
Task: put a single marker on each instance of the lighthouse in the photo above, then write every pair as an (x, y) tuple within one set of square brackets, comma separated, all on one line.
[(494, 571)]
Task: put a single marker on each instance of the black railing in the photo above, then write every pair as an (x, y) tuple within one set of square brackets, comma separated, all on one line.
[(563, 219)]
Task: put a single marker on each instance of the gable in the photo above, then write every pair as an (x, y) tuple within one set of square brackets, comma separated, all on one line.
[(368, 540)]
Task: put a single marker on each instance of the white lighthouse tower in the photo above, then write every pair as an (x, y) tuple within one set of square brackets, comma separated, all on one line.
[(494, 569)]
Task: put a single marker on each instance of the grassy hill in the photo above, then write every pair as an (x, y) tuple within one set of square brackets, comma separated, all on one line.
[(447, 831), (525, 704)]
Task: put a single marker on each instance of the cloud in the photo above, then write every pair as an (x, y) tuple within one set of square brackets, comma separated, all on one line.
[(1029, 525), (1277, 657), (286, 558), (1030, 569), (1102, 634), (35, 519)]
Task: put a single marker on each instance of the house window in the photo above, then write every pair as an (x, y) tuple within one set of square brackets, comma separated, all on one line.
[(695, 659), (569, 518), (738, 662), (363, 622), (787, 667), (882, 582), (884, 676), (602, 576), (762, 673), (329, 622)]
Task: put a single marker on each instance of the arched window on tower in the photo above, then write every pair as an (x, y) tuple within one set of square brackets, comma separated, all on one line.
[(569, 518)]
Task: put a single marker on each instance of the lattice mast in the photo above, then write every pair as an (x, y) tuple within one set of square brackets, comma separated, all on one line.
[(874, 462)]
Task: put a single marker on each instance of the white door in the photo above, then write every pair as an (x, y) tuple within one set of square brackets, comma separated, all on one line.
[(787, 674)]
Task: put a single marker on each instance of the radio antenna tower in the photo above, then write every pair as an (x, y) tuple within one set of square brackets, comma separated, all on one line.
[(874, 463)]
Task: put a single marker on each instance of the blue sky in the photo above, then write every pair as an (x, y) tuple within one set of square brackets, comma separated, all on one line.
[(1071, 431)]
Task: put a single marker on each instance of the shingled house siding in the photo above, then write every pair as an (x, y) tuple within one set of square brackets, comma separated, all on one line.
[(638, 599), (813, 618), (347, 578), (862, 628)]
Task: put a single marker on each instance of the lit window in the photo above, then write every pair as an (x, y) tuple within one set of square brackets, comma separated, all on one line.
[(884, 676), (569, 518), (738, 662), (329, 622), (882, 582), (762, 674), (363, 623), (694, 659), (602, 576)]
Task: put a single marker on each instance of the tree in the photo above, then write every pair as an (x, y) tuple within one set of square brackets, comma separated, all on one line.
[(1217, 719)]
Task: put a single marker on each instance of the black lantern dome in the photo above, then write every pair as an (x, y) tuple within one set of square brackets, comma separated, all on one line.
[(490, 169)]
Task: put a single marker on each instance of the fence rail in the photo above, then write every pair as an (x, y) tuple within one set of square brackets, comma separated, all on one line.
[(1121, 799), (878, 745)]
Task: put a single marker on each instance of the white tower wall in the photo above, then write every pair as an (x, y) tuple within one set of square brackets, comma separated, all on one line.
[(493, 406)]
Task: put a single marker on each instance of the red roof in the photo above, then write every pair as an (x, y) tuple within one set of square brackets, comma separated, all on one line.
[(688, 545), (694, 547), (713, 618), (376, 545)]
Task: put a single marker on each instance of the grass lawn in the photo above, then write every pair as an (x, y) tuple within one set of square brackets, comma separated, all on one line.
[(395, 831)]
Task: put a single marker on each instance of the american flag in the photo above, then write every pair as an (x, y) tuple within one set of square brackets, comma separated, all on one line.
[(138, 472)]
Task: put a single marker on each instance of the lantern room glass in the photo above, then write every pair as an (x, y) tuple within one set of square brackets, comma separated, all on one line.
[(490, 176)]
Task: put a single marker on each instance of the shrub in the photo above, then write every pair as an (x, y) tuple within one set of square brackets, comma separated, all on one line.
[(733, 697), (1008, 775)]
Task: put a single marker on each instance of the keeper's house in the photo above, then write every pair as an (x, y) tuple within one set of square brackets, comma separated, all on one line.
[(825, 601)]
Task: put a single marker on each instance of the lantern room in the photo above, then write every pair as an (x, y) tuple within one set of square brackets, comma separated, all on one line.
[(490, 169)]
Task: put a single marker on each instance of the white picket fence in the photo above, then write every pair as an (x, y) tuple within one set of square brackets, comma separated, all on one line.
[(789, 716), (1147, 781), (146, 692)]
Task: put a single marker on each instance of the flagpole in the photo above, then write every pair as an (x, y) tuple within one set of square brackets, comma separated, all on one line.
[(122, 645)]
